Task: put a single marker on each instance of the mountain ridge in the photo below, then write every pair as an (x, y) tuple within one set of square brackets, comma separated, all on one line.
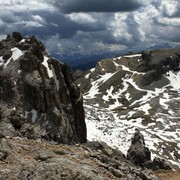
[(135, 91), (160, 46), (39, 98)]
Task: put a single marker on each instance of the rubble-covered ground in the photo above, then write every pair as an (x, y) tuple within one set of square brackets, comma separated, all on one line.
[(21, 158)]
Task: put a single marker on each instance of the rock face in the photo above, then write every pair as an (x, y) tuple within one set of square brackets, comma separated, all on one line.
[(33, 160), (140, 155), (156, 63), (38, 95)]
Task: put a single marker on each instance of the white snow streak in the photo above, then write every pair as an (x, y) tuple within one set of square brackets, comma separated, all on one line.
[(31, 114), (133, 55), (45, 63), (95, 85), (174, 78), (16, 54)]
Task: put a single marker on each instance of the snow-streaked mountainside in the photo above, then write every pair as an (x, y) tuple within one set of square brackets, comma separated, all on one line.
[(38, 96), (135, 91)]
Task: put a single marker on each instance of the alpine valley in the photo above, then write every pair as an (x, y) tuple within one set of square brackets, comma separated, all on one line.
[(135, 91), (122, 122)]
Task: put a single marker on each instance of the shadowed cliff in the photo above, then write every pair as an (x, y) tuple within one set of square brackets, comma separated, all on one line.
[(38, 96)]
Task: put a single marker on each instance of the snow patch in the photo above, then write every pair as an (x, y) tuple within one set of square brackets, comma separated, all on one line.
[(101, 66), (116, 64), (127, 96), (1, 61), (31, 114), (51, 71), (116, 104), (133, 55), (162, 102), (117, 58), (87, 76), (109, 94), (174, 78), (93, 91), (95, 85), (14, 108), (45, 63), (145, 108), (16, 53), (133, 72), (92, 70), (19, 71), (22, 41)]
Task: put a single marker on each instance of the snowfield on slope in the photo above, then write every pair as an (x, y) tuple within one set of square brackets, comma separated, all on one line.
[(155, 113)]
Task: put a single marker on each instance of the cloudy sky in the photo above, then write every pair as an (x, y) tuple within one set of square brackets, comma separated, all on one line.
[(79, 28)]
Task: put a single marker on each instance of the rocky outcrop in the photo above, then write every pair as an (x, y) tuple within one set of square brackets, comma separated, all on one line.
[(31, 160), (140, 155), (39, 98), (156, 63)]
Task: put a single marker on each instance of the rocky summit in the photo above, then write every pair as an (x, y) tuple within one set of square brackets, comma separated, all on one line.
[(134, 91), (38, 96)]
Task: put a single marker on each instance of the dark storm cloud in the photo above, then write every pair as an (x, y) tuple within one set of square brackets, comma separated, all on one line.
[(76, 27), (97, 5), (57, 23), (8, 16), (52, 23)]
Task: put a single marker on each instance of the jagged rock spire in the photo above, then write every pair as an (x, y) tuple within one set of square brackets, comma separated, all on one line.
[(39, 98), (139, 154)]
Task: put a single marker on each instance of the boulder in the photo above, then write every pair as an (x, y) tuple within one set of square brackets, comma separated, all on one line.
[(140, 155), (157, 164)]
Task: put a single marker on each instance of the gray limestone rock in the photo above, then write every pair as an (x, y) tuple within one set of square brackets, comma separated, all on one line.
[(39, 98), (140, 155), (33, 160)]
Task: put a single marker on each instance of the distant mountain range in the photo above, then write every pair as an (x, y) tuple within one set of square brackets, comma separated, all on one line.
[(89, 61), (160, 46), (82, 62)]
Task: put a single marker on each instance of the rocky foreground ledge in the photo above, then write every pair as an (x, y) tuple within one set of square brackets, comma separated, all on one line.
[(22, 158), (25, 159)]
